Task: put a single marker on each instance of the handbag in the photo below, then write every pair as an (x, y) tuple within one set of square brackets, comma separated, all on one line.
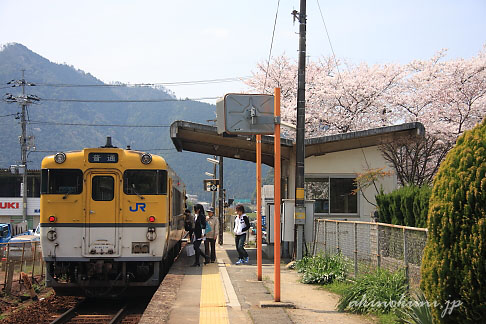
[(208, 228), (190, 250)]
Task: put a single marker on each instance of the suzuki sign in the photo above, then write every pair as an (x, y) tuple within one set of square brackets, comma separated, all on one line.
[(13, 206)]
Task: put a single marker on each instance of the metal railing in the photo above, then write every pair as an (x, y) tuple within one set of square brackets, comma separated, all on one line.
[(17, 258), (373, 245)]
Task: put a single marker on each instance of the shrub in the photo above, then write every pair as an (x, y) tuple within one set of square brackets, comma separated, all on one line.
[(417, 312), (375, 292), (405, 206), (454, 266), (323, 269)]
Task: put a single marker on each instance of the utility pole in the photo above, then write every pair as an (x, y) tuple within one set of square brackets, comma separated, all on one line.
[(299, 215), (23, 149), (24, 100), (221, 202), (214, 192)]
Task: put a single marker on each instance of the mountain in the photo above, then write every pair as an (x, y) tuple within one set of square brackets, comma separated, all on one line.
[(51, 83)]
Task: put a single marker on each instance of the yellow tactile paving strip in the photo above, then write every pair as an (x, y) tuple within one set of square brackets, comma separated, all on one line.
[(213, 304)]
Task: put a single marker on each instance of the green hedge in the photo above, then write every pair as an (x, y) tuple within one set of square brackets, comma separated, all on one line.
[(454, 262), (405, 206)]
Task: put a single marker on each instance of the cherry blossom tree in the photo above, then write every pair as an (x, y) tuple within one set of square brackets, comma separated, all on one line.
[(448, 97)]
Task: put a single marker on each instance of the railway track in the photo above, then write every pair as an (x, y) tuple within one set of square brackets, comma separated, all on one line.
[(104, 311)]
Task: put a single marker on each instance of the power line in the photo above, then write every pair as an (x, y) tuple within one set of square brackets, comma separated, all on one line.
[(35, 122), (329, 39), (126, 101), (160, 149), (271, 47), (176, 83), (16, 114)]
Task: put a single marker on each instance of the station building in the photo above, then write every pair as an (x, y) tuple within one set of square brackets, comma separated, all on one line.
[(331, 163)]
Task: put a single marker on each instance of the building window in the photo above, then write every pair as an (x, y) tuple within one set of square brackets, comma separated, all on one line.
[(332, 195)]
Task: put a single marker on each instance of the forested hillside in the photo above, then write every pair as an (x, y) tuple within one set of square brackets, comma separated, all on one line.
[(49, 116)]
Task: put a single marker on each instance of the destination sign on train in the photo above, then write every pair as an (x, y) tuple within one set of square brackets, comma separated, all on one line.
[(103, 157)]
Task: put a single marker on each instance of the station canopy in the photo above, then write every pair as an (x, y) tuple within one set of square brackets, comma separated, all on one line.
[(200, 138)]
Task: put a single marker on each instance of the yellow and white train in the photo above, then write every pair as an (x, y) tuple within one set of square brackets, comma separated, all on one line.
[(112, 221)]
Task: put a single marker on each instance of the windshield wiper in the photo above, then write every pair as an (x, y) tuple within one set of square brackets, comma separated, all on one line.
[(66, 194), (136, 192)]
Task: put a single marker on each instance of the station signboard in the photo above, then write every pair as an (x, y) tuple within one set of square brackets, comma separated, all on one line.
[(211, 184)]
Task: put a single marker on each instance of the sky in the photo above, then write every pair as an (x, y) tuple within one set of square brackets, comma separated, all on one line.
[(160, 41)]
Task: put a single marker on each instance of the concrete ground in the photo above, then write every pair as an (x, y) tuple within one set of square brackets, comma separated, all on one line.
[(181, 300)]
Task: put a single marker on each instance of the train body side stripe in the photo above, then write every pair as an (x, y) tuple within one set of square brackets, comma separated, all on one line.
[(103, 225)]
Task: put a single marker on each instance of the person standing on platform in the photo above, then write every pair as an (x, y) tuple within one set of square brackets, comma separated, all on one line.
[(199, 228), (188, 223), (242, 225), (212, 235)]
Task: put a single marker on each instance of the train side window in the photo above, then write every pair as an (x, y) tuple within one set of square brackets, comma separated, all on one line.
[(61, 181), (103, 188), (145, 182)]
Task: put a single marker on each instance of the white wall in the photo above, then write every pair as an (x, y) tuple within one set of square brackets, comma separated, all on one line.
[(352, 162), (13, 206)]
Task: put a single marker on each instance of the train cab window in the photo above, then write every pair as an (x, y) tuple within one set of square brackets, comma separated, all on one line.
[(61, 181), (103, 188), (145, 182)]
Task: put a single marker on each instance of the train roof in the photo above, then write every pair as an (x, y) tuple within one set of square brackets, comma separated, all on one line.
[(103, 157)]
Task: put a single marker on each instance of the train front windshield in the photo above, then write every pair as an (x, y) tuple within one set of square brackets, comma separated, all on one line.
[(61, 181), (145, 182)]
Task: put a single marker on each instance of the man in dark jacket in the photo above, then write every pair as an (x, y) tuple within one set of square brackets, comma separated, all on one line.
[(199, 227)]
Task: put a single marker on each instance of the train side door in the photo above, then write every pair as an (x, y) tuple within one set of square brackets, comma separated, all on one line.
[(102, 214)]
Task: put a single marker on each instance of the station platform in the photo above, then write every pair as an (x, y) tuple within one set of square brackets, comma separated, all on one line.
[(223, 292)]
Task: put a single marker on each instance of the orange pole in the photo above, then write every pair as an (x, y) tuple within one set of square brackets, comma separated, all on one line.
[(276, 248), (259, 204)]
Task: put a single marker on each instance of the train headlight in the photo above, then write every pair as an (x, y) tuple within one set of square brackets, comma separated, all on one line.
[(52, 219), (151, 219), (146, 158), (145, 248), (51, 235), (151, 234), (60, 157)]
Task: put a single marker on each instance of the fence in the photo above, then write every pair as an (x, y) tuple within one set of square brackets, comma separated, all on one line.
[(373, 245), (20, 257)]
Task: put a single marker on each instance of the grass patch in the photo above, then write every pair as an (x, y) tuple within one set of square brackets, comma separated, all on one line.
[(388, 318), (338, 287), (323, 269), (375, 292), (341, 287)]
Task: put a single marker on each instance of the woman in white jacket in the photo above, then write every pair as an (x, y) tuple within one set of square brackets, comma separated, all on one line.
[(242, 225)]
